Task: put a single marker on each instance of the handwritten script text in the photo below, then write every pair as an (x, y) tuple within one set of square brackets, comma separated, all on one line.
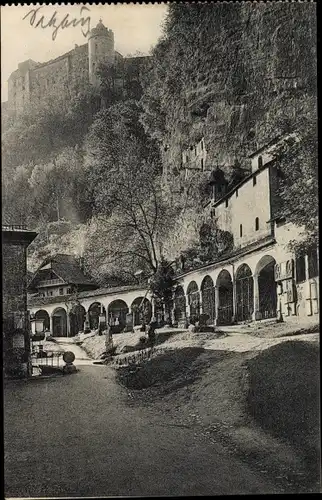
[(40, 22)]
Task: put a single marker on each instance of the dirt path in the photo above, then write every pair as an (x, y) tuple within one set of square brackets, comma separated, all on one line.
[(77, 436)]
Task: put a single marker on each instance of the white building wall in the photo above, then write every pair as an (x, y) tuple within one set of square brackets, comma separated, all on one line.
[(244, 205)]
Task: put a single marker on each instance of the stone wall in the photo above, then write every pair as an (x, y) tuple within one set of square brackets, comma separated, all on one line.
[(15, 318), (60, 75)]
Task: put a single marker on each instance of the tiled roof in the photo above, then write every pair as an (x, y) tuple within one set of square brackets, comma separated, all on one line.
[(67, 268), (231, 255), (36, 300)]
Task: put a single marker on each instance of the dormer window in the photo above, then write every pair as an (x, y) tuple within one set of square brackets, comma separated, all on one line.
[(260, 162)]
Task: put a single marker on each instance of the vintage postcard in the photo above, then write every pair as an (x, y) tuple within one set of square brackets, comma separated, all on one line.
[(160, 249)]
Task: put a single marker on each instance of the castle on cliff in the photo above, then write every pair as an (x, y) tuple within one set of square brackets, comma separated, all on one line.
[(32, 81)]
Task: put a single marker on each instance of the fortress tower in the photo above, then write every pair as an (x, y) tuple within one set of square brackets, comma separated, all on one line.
[(100, 49)]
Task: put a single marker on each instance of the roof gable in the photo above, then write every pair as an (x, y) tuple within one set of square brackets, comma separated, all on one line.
[(65, 267)]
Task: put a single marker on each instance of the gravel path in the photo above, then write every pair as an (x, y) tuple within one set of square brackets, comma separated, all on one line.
[(76, 436)]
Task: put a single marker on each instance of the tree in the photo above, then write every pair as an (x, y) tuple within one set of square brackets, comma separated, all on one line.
[(298, 165), (162, 285), (132, 217), (45, 128), (17, 201), (123, 168)]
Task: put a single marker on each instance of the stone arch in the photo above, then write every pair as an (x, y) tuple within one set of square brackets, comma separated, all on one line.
[(77, 317), (42, 315), (141, 309), (94, 311), (59, 317), (244, 293), (179, 304), (225, 298), (193, 301), (265, 288), (208, 298), (117, 311)]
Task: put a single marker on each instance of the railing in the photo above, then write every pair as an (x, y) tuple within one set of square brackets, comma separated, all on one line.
[(41, 359), (56, 281), (225, 315), (14, 227)]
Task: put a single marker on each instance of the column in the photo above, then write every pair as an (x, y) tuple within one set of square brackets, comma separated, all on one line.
[(216, 305), (68, 324), (153, 307), (314, 297), (51, 325), (86, 325), (256, 313), (184, 313), (308, 302), (234, 301), (279, 307)]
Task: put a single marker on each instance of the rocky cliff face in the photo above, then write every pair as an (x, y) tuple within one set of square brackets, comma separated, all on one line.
[(237, 74)]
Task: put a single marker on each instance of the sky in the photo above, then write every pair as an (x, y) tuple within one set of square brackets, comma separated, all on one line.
[(136, 29)]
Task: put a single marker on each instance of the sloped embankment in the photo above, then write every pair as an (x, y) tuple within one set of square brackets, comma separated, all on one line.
[(264, 405), (283, 395)]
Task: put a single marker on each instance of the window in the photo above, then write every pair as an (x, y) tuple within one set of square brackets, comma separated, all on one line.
[(256, 224), (254, 180), (300, 268), (187, 159), (312, 262), (201, 145), (226, 203), (201, 163), (240, 230), (260, 162), (50, 293), (61, 291), (69, 290), (236, 193)]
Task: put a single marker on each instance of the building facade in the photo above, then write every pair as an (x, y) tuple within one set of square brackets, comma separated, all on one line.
[(16, 327), (70, 72), (258, 277)]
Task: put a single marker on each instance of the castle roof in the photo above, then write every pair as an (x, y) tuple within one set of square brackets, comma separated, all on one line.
[(100, 29)]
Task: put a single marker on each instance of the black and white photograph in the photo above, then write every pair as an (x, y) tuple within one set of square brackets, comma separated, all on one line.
[(160, 249)]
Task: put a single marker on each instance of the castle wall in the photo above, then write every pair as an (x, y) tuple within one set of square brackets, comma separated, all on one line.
[(61, 74), (48, 77)]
